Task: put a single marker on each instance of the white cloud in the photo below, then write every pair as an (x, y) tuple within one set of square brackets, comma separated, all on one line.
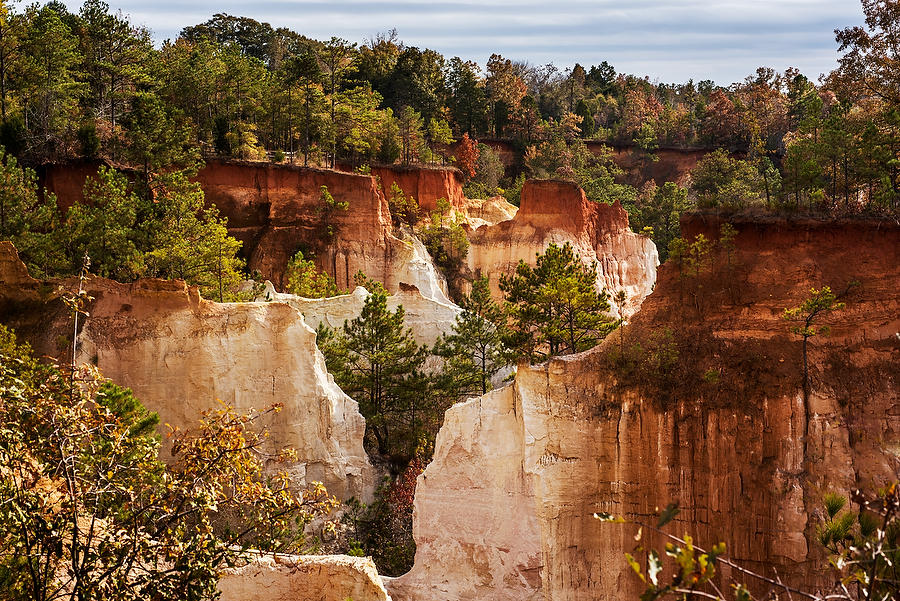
[(670, 39)]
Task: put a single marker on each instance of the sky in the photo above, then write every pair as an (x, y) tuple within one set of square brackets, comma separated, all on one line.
[(667, 40)]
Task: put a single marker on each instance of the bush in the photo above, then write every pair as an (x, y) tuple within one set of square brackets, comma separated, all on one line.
[(383, 530), (404, 209), (304, 279), (89, 507)]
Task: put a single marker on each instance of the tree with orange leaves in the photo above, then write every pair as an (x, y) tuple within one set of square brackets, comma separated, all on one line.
[(467, 156)]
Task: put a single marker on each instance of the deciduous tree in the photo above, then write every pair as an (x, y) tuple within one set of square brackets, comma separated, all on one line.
[(91, 512)]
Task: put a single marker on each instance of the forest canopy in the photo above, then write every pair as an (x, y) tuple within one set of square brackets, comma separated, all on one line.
[(92, 84)]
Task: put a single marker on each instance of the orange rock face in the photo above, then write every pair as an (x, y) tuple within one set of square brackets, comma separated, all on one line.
[(504, 511), (274, 210), (672, 165), (558, 212), (13, 273), (425, 185), (66, 181)]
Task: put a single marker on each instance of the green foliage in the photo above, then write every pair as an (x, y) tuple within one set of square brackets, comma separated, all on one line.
[(90, 510), (863, 548), (30, 222), (475, 351), (357, 122), (691, 570), (158, 137), (554, 307), (410, 126), (513, 194), (361, 279), (818, 304), (92, 83), (329, 208), (122, 403), (304, 279), (646, 139), (445, 239), (660, 209), (49, 66), (106, 226), (489, 171), (863, 545), (596, 172), (439, 137), (383, 530), (192, 242), (375, 360), (719, 180), (727, 234), (404, 209)]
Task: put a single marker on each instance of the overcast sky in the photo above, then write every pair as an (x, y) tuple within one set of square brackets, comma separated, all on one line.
[(669, 40)]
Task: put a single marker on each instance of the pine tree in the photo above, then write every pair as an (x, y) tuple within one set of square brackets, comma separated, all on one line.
[(30, 222), (375, 360), (192, 242), (50, 89), (304, 279), (475, 351), (105, 227), (554, 307), (329, 208)]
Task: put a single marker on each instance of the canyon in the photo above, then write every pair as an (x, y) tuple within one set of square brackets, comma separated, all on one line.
[(182, 355), (558, 212), (698, 400), (505, 509)]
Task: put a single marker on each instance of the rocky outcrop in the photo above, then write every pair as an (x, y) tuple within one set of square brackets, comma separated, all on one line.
[(426, 185), (427, 319), (669, 164), (275, 211), (66, 180), (557, 211), (490, 211), (13, 273), (306, 577), (504, 511), (181, 353)]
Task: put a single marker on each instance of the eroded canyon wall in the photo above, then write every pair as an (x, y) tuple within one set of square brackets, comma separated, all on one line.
[(426, 185), (181, 354), (558, 212), (670, 164), (746, 458), (427, 318), (275, 210)]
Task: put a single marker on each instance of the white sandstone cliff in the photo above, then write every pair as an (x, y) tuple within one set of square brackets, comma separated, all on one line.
[(180, 354)]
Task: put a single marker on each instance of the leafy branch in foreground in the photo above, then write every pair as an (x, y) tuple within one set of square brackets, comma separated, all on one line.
[(863, 549), (88, 511)]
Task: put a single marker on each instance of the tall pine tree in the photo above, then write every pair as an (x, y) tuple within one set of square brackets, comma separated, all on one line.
[(475, 351)]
